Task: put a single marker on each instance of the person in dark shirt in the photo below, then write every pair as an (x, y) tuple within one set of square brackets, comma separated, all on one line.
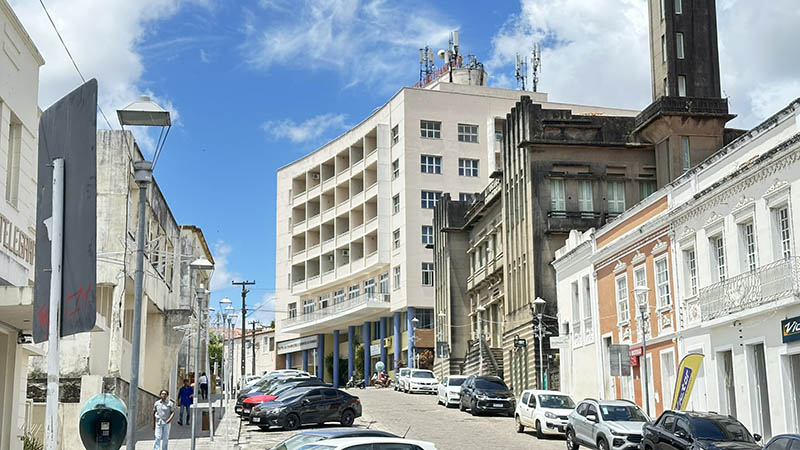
[(186, 396)]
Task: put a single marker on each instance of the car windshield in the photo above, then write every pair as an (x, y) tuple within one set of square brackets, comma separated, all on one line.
[(720, 430), (421, 374), (620, 413), (489, 384), (456, 381), (556, 401), (404, 372), (297, 441), (317, 447)]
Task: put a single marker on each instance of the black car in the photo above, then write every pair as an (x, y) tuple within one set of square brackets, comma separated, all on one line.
[(309, 437), (486, 394), (684, 430), (784, 442), (243, 407), (307, 405)]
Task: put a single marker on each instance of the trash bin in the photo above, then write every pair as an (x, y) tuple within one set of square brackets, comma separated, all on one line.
[(204, 425)]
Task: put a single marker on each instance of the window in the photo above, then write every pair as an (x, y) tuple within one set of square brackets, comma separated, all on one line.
[(14, 158), (587, 310), (585, 200), (430, 129), (576, 313), (396, 277), (396, 238), (498, 135), (465, 197), (383, 283), (292, 310), (369, 288), (425, 317), (558, 197), (718, 249), (681, 85), (646, 188), (639, 276), (427, 274), (666, 87), (396, 204), (685, 154), (622, 299), (427, 235), (616, 197), (429, 199), (784, 232), (662, 283), (678, 7), (749, 246), (467, 167), (308, 306), (430, 164), (354, 291), (323, 301), (691, 271), (467, 133), (679, 45), (663, 49), (395, 168), (338, 296), (395, 134)]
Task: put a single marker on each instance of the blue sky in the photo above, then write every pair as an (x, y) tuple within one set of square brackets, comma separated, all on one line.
[(255, 85)]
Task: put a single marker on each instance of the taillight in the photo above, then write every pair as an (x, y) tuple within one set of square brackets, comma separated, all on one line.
[(358, 400)]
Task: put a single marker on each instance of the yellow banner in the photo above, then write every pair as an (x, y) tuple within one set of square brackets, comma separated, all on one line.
[(684, 382)]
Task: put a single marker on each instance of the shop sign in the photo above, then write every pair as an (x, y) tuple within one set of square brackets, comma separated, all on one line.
[(790, 329), (375, 349), (295, 345), (635, 353)]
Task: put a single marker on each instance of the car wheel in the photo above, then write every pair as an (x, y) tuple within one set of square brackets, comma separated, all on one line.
[(520, 427), (602, 444), (473, 409), (539, 434), (438, 401), (570, 438), (348, 417), (461, 405), (291, 422)]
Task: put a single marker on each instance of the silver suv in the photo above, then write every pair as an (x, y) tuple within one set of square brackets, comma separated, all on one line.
[(606, 425)]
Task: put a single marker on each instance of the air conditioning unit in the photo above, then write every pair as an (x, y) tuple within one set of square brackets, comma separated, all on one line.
[(315, 176), (345, 252)]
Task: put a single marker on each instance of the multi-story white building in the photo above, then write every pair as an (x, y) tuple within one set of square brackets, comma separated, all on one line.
[(19, 130), (354, 264)]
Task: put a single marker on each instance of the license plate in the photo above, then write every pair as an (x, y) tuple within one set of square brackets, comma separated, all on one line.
[(256, 419), (498, 405)]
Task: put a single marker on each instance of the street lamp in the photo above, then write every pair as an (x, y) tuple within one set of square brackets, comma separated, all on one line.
[(414, 323), (480, 310), (537, 308), (232, 318), (224, 304), (142, 112), (442, 316), (642, 293), (202, 299)]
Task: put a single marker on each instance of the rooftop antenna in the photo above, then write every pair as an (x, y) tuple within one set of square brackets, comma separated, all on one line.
[(521, 71), (426, 64), (536, 61)]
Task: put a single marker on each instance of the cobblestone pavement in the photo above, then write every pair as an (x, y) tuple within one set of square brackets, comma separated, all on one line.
[(448, 428)]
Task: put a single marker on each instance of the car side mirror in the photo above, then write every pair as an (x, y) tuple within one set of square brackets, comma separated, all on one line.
[(591, 418), (757, 437), (306, 401), (682, 435)]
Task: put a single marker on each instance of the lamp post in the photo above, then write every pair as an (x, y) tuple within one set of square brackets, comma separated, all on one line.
[(642, 293), (253, 342), (232, 318), (224, 304), (142, 112), (480, 309), (202, 298), (414, 323), (209, 310), (537, 307), (443, 320)]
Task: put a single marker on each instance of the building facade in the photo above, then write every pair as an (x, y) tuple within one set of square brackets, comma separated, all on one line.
[(19, 130), (263, 353)]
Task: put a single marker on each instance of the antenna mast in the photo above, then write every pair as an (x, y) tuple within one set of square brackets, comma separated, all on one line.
[(536, 61), (426, 64), (521, 71)]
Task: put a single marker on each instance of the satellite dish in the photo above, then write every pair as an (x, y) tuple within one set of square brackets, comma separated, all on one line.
[(442, 54)]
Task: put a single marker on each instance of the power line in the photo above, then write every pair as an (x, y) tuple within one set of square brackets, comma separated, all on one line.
[(74, 64)]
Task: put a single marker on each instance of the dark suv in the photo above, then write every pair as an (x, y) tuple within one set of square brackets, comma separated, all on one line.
[(682, 430), (486, 394)]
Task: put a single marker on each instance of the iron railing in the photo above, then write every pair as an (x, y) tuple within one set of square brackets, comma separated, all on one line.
[(337, 308), (758, 287)]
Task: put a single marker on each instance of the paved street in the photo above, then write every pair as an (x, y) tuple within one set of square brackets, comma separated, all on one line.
[(449, 429)]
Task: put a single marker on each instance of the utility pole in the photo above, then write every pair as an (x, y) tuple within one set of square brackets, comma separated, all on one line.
[(254, 345), (244, 285)]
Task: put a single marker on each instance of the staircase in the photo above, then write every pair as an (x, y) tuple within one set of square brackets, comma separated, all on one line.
[(492, 360)]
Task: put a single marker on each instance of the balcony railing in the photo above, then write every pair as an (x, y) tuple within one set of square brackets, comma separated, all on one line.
[(758, 287), (338, 308), (564, 221)]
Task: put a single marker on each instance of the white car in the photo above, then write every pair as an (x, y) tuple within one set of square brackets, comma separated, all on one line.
[(401, 378), (449, 390), (421, 380), (545, 411), (376, 443)]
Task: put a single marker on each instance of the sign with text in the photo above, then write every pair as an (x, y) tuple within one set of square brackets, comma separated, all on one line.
[(295, 345), (68, 130), (790, 329), (619, 360)]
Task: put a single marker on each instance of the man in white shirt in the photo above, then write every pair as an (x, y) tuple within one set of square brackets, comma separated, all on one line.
[(163, 412), (203, 385)]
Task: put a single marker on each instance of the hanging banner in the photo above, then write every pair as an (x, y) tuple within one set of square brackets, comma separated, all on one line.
[(687, 373)]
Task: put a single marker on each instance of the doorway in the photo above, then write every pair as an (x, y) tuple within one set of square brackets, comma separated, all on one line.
[(791, 369), (759, 390), (667, 378), (727, 382)]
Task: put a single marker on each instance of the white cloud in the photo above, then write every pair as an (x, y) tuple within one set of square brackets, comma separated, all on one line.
[(373, 42), (596, 52), (204, 56), (308, 130), (264, 311), (223, 275)]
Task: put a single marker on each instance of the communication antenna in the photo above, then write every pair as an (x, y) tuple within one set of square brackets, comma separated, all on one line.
[(521, 71), (536, 62), (426, 64)]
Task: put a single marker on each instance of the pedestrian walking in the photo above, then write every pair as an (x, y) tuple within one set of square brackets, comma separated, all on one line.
[(163, 412), (186, 397), (203, 386)]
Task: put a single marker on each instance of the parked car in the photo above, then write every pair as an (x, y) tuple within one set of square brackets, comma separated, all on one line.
[(486, 394), (784, 442), (684, 430), (606, 425), (546, 411), (400, 379), (374, 443), (308, 437), (269, 391), (308, 405), (421, 380), (447, 392)]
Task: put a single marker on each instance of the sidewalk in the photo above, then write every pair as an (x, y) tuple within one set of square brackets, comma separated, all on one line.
[(226, 430)]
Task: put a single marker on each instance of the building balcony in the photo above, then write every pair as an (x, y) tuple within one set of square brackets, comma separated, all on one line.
[(349, 312), (768, 284), (565, 221), (671, 105)]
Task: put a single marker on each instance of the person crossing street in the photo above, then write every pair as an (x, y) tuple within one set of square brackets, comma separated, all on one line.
[(186, 397), (163, 412)]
